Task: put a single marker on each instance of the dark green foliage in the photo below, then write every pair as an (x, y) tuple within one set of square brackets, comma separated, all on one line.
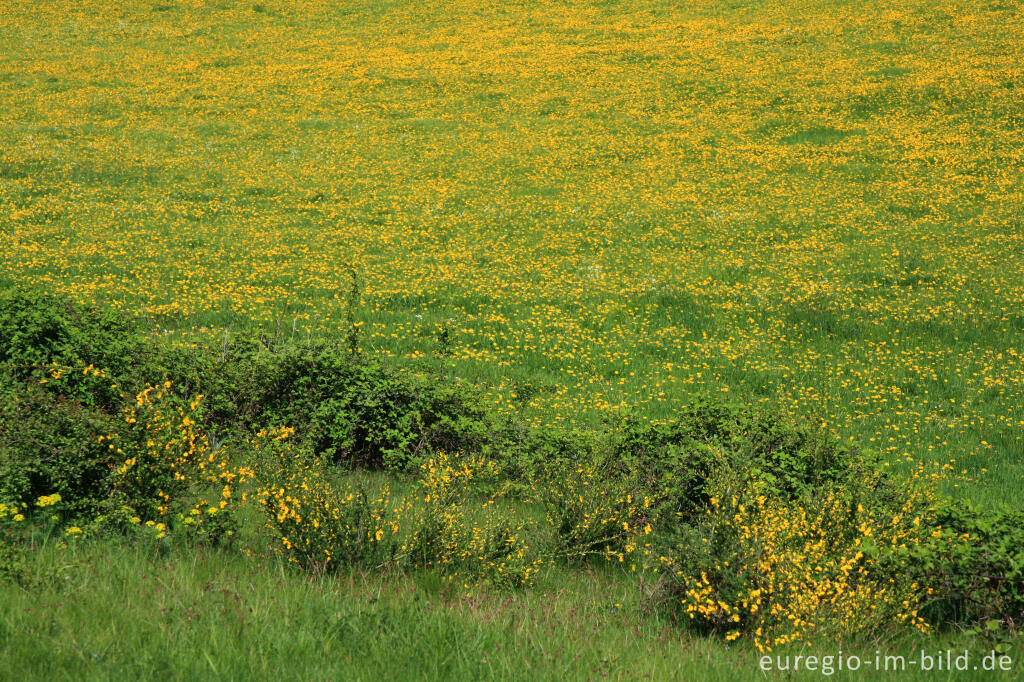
[(674, 461), (37, 330), (360, 412), (52, 444), (975, 561), (354, 410), (228, 378), (524, 452), (351, 409)]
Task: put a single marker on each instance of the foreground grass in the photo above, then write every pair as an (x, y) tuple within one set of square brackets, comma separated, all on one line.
[(104, 610), (130, 613)]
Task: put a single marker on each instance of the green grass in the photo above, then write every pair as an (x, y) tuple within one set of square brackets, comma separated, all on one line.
[(128, 613), (616, 206), (108, 611), (620, 204)]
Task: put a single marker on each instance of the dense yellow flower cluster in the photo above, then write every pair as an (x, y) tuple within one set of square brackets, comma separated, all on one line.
[(796, 570), (465, 536), (192, 482), (319, 524), (10, 512), (48, 500)]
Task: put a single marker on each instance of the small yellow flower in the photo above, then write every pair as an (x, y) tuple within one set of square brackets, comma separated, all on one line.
[(48, 500)]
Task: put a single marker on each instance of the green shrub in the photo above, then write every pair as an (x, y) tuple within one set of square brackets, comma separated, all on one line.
[(440, 525), (675, 460), (43, 335), (361, 412), (355, 410), (230, 378), (781, 570), (320, 525), (592, 511), (52, 444), (974, 563), (169, 473), (463, 536)]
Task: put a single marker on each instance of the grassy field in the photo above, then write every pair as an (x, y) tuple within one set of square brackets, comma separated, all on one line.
[(586, 208), (208, 616), (221, 620), (816, 204), (812, 204)]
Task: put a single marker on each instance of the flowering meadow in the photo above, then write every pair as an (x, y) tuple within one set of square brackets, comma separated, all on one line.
[(723, 299), (812, 204)]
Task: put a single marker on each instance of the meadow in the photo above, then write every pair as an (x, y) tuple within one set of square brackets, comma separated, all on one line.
[(813, 204), (590, 211)]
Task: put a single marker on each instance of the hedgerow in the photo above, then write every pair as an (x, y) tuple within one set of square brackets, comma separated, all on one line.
[(742, 522)]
